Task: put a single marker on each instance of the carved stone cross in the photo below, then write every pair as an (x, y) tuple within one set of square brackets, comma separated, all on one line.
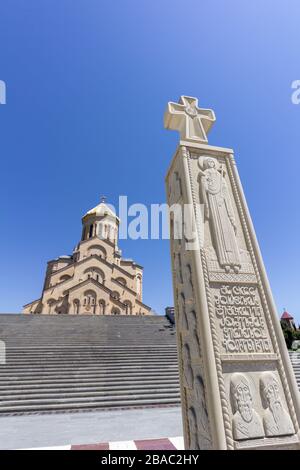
[(192, 122), (238, 390)]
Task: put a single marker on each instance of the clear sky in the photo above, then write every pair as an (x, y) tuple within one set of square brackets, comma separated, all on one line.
[(87, 85)]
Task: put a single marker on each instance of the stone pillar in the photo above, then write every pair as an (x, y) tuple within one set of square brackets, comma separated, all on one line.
[(238, 388)]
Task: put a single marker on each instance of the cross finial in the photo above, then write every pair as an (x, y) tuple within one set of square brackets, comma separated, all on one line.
[(103, 199), (192, 122)]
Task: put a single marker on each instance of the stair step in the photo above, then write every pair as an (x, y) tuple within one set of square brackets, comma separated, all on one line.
[(104, 403)]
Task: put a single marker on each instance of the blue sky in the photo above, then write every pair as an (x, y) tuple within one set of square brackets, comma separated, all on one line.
[(87, 85)]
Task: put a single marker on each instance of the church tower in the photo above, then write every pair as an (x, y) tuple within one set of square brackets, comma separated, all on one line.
[(95, 279)]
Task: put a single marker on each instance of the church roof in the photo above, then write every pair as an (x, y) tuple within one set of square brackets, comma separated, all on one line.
[(101, 210), (286, 316)]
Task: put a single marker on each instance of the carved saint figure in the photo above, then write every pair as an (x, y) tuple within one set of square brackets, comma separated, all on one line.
[(218, 210), (188, 375), (246, 423), (277, 421), (202, 417)]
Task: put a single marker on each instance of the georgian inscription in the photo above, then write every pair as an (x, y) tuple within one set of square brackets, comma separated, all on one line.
[(241, 320)]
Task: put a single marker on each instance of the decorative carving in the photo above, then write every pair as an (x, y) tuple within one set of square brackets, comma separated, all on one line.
[(231, 295), (195, 341), (193, 430), (192, 122), (231, 166), (175, 188), (246, 423), (214, 266), (218, 210), (178, 267), (182, 312), (202, 417), (188, 282), (240, 278), (188, 374), (276, 419)]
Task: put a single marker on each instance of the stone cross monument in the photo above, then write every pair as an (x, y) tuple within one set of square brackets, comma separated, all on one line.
[(238, 388)]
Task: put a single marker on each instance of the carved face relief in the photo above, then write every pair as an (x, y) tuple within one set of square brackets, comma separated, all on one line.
[(246, 422), (270, 389), (277, 421), (243, 401)]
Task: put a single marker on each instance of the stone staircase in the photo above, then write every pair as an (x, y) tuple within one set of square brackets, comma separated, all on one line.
[(295, 360), (71, 363), (66, 363)]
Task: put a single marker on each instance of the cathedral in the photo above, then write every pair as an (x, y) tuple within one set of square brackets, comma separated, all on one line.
[(95, 279)]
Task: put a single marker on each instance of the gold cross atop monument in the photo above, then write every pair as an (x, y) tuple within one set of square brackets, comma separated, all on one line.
[(192, 122)]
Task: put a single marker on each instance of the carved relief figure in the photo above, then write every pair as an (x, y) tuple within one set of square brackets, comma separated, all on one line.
[(182, 312), (188, 282), (218, 210), (188, 375), (202, 416), (277, 421), (246, 423), (192, 321)]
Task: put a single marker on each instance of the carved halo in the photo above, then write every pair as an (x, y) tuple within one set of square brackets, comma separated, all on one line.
[(203, 162)]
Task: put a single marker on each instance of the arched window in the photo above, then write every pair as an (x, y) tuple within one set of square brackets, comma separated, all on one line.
[(139, 285), (91, 231), (115, 311), (115, 295), (65, 277), (128, 305), (121, 280), (97, 250), (76, 305), (102, 307), (95, 273), (89, 300)]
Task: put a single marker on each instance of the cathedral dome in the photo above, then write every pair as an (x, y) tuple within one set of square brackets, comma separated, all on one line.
[(101, 221), (101, 210)]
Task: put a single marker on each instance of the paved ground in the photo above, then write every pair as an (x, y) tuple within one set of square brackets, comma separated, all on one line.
[(17, 432), (167, 443)]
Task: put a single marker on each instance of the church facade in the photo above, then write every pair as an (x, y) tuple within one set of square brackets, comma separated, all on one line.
[(95, 279)]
